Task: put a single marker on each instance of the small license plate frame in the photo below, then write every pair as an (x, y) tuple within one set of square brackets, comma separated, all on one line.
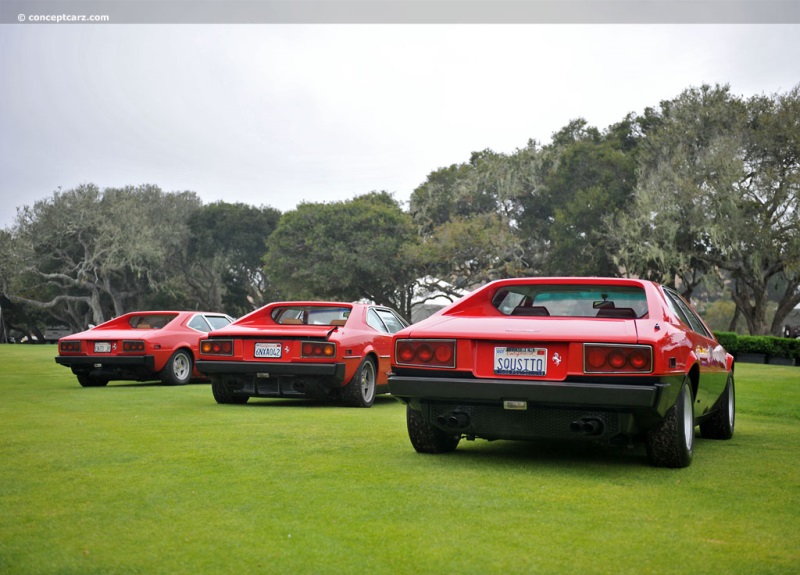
[(268, 350), (520, 360)]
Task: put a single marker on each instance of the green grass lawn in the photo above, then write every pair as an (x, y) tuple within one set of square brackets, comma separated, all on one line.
[(141, 478)]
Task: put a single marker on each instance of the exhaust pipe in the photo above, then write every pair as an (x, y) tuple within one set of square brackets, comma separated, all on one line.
[(454, 420), (587, 426)]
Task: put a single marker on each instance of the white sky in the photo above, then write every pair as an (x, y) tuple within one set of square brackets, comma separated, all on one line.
[(278, 114)]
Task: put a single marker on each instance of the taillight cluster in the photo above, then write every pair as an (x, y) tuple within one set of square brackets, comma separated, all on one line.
[(426, 352), (133, 345), (617, 358), (318, 349), (216, 347), (69, 346)]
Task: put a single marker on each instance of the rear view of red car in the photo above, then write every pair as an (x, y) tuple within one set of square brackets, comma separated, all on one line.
[(601, 359), (303, 349), (139, 346)]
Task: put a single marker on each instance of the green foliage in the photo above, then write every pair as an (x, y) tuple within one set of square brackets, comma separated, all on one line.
[(728, 340), (767, 345), (719, 314), (344, 251), (592, 179), (226, 245), (153, 479), (85, 255)]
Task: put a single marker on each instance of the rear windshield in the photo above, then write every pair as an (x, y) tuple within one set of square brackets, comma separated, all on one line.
[(571, 301), (151, 321), (311, 315)]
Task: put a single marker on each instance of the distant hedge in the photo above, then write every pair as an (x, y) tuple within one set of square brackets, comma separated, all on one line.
[(766, 344)]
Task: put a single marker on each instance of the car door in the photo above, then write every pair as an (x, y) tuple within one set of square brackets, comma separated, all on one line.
[(710, 356)]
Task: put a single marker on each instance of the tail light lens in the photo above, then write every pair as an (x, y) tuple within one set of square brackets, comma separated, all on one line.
[(69, 346), (134, 345), (426, 352), (216, 347), (598, 358), (318, 349)]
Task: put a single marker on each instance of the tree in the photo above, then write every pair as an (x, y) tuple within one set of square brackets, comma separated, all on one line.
[(760, 240), (583, 176), (466, 217), (84, 255), (718, 192), (224, 258), (350, 250), (688, 163)]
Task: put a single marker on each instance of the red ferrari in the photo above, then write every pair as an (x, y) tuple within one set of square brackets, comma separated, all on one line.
[(609, 360), (323, 350), (140, 346)]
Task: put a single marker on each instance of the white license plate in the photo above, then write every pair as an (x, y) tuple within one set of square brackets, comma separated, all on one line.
[(271, 350), (520, 361), (102, 347)]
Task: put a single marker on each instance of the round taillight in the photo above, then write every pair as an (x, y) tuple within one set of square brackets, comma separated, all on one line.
[(405, 353), (425, 353), (328, 351), (617, 359), (444, 354), (596, 359), (639, 360)]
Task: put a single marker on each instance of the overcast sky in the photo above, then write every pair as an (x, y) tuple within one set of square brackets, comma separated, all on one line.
[(279, 114)]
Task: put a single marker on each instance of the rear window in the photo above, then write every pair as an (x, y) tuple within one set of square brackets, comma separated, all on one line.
[(311, 315), (571, 301), (151, 321)]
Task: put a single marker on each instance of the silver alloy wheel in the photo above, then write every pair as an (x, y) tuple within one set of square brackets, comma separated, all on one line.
[(181, 366), (688, 419), (731, 407), (367, 382)]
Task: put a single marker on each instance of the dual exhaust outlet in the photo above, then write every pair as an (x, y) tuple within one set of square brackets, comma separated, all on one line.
[(454, 420), (587, 426), (459, 420)]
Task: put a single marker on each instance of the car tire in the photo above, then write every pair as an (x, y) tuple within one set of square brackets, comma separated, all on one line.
[(360, 392), (89, 381), (427, 438), (722, 423), (224, 395), (671, 444), (178, 369)]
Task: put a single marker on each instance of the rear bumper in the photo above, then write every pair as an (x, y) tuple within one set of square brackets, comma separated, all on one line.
[(521, 409), (618, 396), (256, 379), (113, 362), (335, 370), (110, 367)]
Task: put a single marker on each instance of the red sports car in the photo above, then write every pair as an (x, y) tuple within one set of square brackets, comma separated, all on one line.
[(140, 346), (324, 350), (611, 360)]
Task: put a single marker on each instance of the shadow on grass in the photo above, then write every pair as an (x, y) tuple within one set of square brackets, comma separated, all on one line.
[(552, 452), (380, 401)]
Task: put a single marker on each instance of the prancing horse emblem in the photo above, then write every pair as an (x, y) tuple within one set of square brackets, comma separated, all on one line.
[(556, 359)]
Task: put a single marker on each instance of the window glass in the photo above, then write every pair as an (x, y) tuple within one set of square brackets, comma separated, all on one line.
[(199, 324), (218, 321), (375, 322), (311, 315), (686, 313), (393, 322), (151, 321), (565, 300)]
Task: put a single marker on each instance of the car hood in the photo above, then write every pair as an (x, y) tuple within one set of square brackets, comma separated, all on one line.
[(526, 328), (275, 332)]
